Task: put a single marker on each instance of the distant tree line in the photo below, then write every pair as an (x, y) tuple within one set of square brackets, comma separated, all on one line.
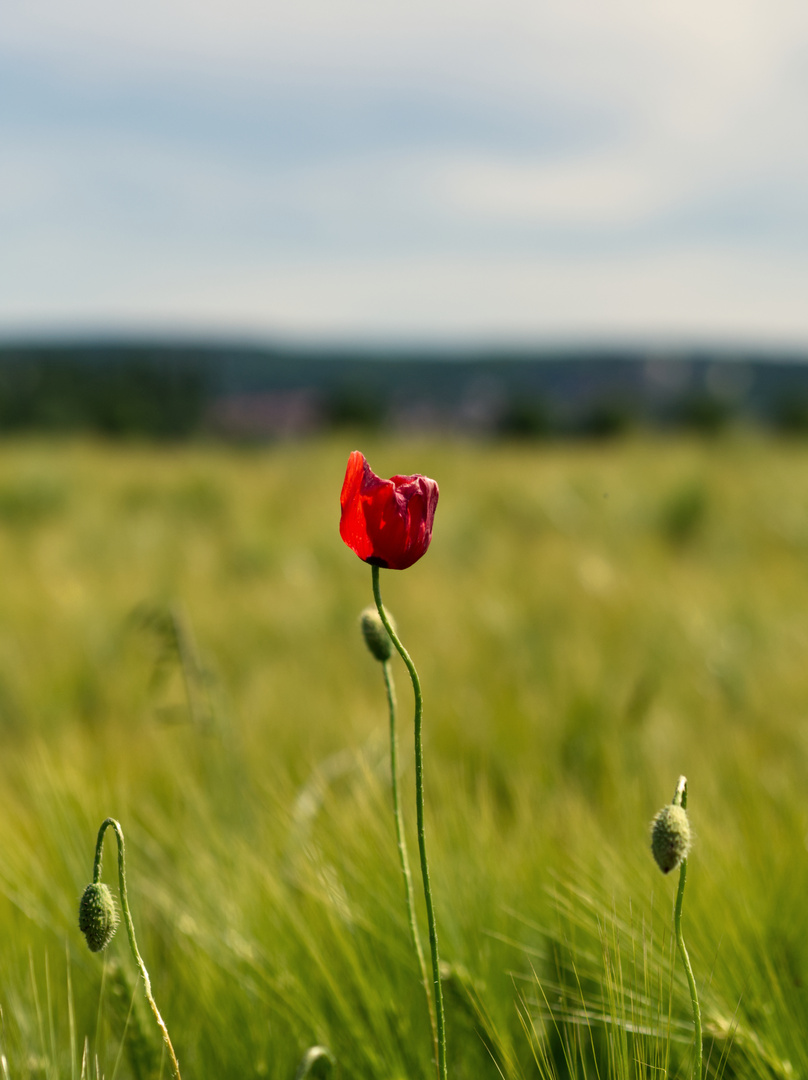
[(133, 395), (169, 391)]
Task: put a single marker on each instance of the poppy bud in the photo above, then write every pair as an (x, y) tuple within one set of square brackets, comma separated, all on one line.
[(376, 637), (98, 918), (387, 523), (670, 837)]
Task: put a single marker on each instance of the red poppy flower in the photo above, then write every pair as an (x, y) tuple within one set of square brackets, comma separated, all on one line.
[(386, 522)]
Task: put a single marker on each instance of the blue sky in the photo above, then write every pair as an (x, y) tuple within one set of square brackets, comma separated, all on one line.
[(513, 171)]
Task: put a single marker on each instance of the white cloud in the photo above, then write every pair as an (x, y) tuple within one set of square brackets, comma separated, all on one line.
[(593, 192), (697, 54)]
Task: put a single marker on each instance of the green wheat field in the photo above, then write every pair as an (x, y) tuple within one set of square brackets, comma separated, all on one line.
[(179, 649)]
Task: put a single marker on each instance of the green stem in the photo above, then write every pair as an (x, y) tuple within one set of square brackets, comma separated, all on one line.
[(419, 806), (680, 799), (315, 1055), (130, 927), (403, 857)]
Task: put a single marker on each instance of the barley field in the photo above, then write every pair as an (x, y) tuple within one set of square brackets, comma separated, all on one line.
[(179, 649)]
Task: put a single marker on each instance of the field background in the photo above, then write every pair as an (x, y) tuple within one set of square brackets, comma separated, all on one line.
[(179, 648)]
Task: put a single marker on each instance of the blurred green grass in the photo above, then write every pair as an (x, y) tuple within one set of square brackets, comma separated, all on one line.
[(591, 621)]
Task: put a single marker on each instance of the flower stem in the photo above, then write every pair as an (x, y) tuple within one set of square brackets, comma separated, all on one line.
[(403, 857), (130, 928), (315, 1055), (419, 807), (680, 799)]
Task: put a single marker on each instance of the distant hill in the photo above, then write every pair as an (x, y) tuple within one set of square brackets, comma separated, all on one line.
[(168, 390)]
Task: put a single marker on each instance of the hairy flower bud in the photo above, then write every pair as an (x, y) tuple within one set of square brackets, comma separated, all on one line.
[(670, 837), (376, 637), (98, 918)]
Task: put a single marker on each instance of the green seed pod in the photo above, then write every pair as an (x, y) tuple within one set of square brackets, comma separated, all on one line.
[(376, 637), (670, 837), (98, 918)]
